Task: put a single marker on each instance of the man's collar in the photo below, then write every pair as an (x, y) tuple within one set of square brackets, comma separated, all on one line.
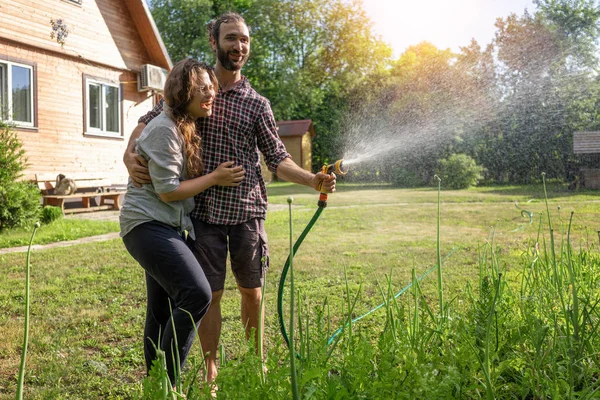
[(240, 84)]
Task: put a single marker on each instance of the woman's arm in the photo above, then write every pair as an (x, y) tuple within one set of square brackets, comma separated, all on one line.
[(162, 147), (225, 175)]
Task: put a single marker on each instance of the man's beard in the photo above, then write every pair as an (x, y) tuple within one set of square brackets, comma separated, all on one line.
[(229, 65)]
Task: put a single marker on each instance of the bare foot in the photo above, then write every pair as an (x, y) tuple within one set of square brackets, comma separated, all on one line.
[(211, 372), (213, 390)]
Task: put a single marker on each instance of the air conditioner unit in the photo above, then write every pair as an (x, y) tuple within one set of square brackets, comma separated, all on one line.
[(152, 78)]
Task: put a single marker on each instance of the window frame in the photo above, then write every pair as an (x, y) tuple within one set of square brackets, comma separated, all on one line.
[(6, 63), (76, 2), (101, 132)]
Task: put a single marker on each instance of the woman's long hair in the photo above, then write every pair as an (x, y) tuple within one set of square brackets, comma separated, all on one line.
[(180, 87)]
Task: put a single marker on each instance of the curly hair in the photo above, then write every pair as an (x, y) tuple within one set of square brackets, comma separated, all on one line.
[(182, 83)]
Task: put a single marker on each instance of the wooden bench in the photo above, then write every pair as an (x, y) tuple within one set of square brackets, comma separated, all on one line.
[(88, 187)]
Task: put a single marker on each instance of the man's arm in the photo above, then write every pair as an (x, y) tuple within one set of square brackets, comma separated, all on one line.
[(278, 160), (289, 171), (136, 165)]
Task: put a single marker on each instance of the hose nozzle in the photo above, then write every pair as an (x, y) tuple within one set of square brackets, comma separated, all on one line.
[(338, 167)]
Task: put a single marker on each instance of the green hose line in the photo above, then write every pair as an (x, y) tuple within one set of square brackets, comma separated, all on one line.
[(287, 266), (285, 271), (372, 310)]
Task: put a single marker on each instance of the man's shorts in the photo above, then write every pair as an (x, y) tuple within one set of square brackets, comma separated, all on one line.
[(248, 252)]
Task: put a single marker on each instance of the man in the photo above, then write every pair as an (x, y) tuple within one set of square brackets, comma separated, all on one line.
[(242, 124)]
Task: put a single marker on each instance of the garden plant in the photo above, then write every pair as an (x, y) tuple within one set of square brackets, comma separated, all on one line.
[(511, 313)]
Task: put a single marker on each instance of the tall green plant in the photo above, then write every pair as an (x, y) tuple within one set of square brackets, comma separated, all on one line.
[(21, 378)]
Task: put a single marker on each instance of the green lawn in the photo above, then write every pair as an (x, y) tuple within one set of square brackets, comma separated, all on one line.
[(58, 231), (88, 300)]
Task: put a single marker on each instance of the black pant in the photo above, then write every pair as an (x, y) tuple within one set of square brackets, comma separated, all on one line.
[(172, 273)]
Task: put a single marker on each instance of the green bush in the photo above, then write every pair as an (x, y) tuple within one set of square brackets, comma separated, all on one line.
[(19, 205), (405, 178), (459, 171), (51, 213), (19, 201)]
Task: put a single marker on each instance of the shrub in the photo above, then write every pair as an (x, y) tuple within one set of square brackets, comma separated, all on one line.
[(406, 178), (19, 201), (19, 205), (51, 213), (459, 171)]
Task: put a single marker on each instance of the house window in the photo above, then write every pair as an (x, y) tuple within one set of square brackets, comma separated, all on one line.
[(16, 93), (103, 108), (74, 1)]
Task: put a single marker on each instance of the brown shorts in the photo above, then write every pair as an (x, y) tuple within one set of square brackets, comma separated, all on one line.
[(248, 252)]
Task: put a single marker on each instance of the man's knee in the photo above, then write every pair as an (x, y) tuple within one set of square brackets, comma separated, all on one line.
[(250, 294)]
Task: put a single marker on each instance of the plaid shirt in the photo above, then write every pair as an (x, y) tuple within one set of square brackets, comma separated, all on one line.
[(241, 124)]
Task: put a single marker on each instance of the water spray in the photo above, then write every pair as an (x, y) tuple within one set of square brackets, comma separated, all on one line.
[(339, 169)]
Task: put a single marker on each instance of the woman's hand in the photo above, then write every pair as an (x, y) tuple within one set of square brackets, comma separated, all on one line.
[(228, 175), (225, 175)]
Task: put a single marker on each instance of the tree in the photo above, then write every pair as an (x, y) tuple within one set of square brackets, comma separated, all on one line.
[(182, 24), (545, 84), (576, 23), (431, 100), (307, 56)]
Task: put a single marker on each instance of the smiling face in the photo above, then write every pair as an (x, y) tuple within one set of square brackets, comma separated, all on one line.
[(233, 45), (203, 97)]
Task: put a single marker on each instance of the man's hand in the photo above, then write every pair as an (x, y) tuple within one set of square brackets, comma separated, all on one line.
[(324, 182), (137, 167), (289, 171)]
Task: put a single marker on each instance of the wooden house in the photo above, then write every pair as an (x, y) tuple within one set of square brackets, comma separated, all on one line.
[(297, 137), (587, 145), (75, 76)]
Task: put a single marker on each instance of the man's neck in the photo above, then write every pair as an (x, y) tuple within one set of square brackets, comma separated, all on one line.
[(227, 79)]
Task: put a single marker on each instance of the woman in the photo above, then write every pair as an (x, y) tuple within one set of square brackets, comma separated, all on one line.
[(155, 217)]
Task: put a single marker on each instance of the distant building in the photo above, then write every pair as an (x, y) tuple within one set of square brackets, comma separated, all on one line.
[(297, 137), (587, 145), (75, 76)]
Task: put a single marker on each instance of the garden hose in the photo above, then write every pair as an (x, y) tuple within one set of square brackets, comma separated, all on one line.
[(285, 271), (339, 169)]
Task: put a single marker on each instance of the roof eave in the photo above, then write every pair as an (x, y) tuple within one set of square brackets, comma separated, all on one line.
[(142, 18)]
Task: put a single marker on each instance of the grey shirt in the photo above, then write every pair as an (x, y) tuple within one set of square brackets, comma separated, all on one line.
[(162, 146)]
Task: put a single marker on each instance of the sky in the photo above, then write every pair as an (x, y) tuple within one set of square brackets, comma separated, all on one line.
[(444, 23)]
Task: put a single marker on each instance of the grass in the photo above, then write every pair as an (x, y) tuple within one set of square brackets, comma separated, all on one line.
[(88, 301), (58, 231)]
